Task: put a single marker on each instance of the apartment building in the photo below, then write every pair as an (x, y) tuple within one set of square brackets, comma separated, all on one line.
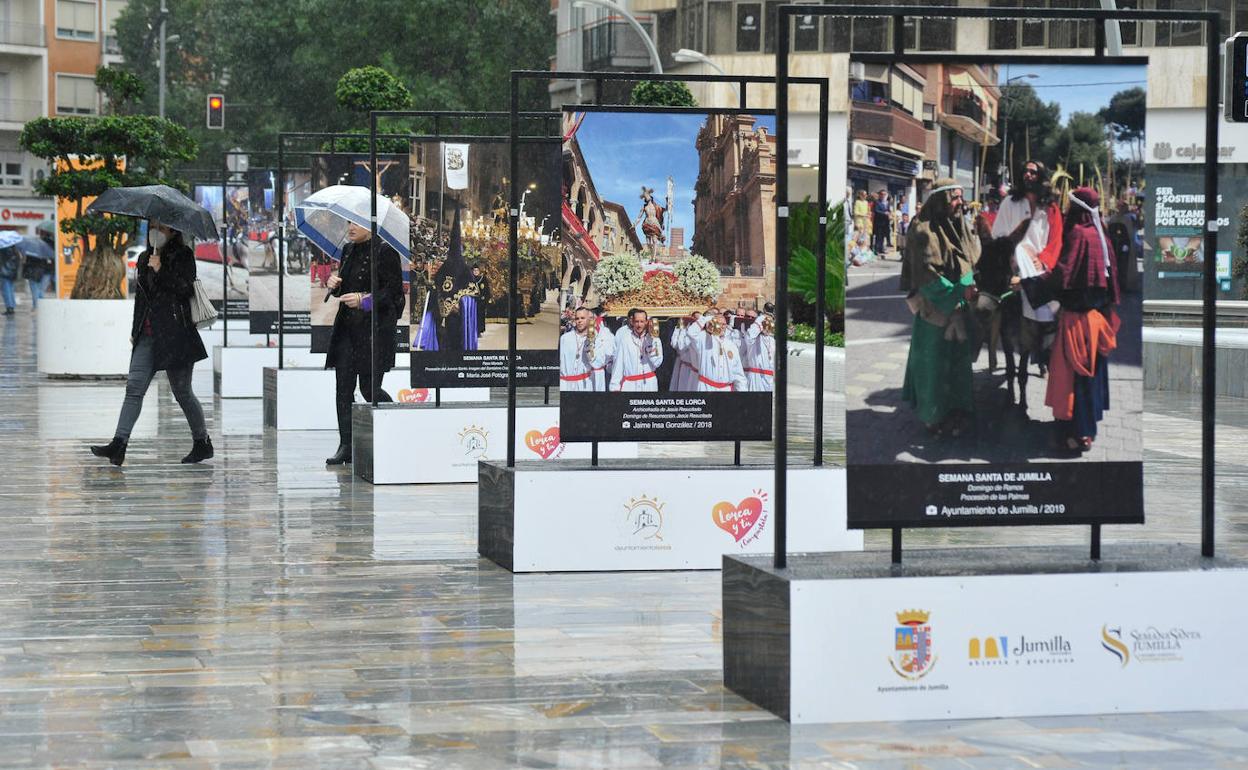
[(49, 51)]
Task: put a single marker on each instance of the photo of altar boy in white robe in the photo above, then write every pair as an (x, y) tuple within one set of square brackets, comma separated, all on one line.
[(638, 355), (758, 349), (581, 359), (717, 358)]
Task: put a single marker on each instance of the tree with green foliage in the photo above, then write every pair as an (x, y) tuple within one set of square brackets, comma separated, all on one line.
[(88, 155), (1125, 117), (662, 93), (1082, 147), (1029, 128), (121, 89), (365, 89), (803, 269), (278, 63)]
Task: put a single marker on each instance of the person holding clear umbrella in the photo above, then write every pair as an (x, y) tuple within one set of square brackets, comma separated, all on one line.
[(329, 217)]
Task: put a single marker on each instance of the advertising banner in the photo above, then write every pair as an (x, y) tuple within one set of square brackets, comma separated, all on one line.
[(393, 180), (995, 646), (460, 263), (69, 247), (228, 292), (666, 275), (1175, 214), (254, 239), (993, 363)]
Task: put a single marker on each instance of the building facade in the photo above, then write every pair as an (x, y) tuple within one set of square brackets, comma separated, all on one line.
[(49, 51)]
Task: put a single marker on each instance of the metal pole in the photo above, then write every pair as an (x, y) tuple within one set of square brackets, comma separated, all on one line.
[(373, 183), (821, 269), (513, 266), (1209, 362), (164, 16), (782, 295), (225, 252), (280, 192)]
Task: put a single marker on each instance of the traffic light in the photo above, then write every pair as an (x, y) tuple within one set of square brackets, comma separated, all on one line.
[(216, 111)]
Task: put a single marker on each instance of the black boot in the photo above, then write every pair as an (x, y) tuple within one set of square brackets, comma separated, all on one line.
[(201, 450), (341, 457), (114, 450)]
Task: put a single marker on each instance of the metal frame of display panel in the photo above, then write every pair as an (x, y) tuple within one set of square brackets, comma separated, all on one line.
[(438, 116), (780, 378), (899, 15)]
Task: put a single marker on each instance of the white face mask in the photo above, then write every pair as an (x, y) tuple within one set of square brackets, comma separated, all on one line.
[(158, 238)]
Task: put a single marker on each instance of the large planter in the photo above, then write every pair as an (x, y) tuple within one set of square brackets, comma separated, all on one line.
[(84, 337)]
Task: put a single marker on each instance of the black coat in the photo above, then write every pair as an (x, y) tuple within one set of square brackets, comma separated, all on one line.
[(350, 335), (164, 299)]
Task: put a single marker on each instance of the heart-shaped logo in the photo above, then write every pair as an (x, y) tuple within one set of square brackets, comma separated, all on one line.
[(413, 395), (544, 444), (740, 519)]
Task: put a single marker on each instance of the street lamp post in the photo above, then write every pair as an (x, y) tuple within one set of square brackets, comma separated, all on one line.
[(616, 8), (164, 17), (1005, 129), (690, 56)]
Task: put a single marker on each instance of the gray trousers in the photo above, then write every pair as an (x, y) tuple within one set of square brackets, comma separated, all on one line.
[(140, 377)]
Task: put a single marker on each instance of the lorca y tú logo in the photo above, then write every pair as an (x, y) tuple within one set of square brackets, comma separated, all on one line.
[(413, 395), (545, 445), (912, 655), (745, 521)]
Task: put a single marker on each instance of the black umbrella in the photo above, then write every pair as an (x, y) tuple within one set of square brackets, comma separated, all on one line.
[(159, 203), (35, 248)]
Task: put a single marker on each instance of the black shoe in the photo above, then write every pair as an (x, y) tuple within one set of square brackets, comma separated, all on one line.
[(114, 450), (201, 450), (341, 457), (8, 311)]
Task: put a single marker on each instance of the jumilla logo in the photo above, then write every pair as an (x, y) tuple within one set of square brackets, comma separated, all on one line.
[(544, 445), (1147, 645), (912, 645), (642, 525), (1025, 651), (475, 440), (745, 521)]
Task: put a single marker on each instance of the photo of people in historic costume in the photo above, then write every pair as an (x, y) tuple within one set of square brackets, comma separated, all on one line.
[(1005, 341), (452, 317)]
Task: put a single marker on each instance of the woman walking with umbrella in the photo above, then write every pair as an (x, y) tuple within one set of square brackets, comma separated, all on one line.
[(163, 336), (329, 217)]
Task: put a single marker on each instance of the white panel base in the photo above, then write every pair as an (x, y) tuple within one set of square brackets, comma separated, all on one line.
[(303, 399), (1089, 643), (84, 337), (238, 372), (452, 439), (653, 518)]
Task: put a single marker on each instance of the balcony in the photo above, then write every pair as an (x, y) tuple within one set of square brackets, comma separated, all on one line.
[(20, 110), (963, 112), (883, 124), (612, 44), (17, 33)]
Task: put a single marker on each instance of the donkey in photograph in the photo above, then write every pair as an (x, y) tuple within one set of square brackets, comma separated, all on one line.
[(999, 308)]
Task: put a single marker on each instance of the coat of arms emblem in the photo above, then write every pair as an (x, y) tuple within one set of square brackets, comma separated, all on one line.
[(912, 645)]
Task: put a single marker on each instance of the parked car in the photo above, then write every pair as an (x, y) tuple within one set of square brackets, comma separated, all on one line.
[(132, 262)]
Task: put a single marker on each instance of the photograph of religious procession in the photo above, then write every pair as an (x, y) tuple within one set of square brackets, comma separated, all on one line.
[(665, 278), (253, 242), (994, 306), (227, 292), (313, 265), (460, 258)]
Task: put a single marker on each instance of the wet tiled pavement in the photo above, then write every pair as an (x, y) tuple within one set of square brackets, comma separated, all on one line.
[(263, 611)]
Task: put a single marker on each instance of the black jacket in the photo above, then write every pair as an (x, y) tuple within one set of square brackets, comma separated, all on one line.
[(164, 299), (350, 335)]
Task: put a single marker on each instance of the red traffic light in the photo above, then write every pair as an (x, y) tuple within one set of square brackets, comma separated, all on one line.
[(215, 110)]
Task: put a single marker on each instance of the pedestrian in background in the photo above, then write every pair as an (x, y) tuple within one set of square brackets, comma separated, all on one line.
[(10, 261), (163, 338), (37, 273)]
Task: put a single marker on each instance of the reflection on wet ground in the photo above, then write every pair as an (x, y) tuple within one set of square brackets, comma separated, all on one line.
[(264, 611)]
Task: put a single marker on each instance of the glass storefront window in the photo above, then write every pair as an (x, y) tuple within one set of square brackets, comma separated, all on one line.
[(749, 27)]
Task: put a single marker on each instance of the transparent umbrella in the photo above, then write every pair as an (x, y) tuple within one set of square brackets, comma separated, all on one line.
[(323, 218)]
